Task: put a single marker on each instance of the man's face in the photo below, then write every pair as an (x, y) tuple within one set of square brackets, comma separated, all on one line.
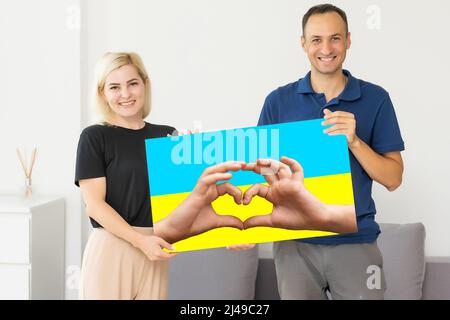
[(325, 41)]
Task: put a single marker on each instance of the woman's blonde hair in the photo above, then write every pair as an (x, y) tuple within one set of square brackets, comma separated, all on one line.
[(110, 62)]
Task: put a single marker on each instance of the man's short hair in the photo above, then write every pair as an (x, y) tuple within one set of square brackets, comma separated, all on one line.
[(324, 8)]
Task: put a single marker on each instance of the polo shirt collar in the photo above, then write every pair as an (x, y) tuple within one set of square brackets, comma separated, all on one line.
[(304, 85), (352, 90)]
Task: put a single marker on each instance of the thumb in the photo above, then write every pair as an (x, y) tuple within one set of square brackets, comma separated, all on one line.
[(164, 244), (229, 221), (258, 221), (326, 111)]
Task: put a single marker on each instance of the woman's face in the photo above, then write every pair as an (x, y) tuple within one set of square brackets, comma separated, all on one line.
[(125, 92)]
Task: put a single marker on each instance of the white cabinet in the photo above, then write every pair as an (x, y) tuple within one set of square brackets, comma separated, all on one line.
[(31, 248)]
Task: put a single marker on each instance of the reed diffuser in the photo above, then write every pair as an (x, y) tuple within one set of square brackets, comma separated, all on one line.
[(28, 170)]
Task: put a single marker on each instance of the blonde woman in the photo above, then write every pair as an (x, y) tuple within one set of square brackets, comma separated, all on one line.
[(124, 257)]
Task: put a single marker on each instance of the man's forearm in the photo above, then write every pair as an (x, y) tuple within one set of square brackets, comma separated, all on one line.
[(341, 219), (384, 170)]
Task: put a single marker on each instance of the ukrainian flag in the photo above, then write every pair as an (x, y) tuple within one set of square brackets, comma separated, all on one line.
[(176, 163)]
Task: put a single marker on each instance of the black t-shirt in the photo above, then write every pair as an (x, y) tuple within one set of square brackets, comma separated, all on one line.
[(118, 154)]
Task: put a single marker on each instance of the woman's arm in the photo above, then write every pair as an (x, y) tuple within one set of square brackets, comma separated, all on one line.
[(94, 192), (195, 214)]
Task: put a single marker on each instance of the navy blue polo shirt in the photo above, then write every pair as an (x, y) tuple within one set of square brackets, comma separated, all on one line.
[(376, 125)]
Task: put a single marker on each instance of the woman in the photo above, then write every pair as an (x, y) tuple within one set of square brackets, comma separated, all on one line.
[(124, 257)]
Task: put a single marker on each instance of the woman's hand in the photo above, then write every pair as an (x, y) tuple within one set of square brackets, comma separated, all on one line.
[(152, 246), (195, 214), (241, 247)]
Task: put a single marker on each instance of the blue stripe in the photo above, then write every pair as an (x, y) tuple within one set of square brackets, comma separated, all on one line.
[(173, 171)]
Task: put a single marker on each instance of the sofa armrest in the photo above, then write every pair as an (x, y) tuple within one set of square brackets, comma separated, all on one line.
[(436, 285)]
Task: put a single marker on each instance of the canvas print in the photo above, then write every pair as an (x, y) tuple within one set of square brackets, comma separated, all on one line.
[(295, 182)]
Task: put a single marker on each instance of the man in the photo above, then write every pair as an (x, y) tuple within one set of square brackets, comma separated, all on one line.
[(363, 112)]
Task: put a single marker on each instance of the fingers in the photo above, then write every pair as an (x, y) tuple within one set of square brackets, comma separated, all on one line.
[(229, 221), (224, 167), (232, 190), (270, 178), (264, 167), (214, 178), (157, 253), (340, 124), (183, 132), (258, 221), (339, 117), (337, 114), (296, 168), (284, 172), (256, 189), (347, 121), (272, 170), (216, 173), (278, 168), (164, 244), (162, 255), (337, 131), (337, 127), (251, 167), (241, 247)]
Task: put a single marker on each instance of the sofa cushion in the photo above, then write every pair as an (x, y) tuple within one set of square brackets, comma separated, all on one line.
[(436, 284), (214, 274), (403, 250)]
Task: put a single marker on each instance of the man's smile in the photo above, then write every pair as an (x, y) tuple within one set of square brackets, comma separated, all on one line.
[(327, 59)]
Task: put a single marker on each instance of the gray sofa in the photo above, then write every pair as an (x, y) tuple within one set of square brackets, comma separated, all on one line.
[(222, 275)]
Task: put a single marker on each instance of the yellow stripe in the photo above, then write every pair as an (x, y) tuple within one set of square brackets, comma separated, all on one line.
[(334, 189), (223, 237)]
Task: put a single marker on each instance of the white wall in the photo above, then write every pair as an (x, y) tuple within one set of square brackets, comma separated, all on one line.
[(215, 61), (40, 103)]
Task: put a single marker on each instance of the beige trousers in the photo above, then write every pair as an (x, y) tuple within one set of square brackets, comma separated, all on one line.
[(114, 269)]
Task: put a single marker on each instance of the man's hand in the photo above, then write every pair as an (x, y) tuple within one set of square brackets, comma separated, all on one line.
[(195, 214), (342, 123), (294, 207), (386, 169)]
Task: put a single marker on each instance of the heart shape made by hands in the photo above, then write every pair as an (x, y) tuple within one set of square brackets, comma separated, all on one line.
[(294, 207)]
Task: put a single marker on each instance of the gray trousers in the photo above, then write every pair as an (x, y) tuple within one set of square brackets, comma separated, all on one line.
[(346, 271)]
